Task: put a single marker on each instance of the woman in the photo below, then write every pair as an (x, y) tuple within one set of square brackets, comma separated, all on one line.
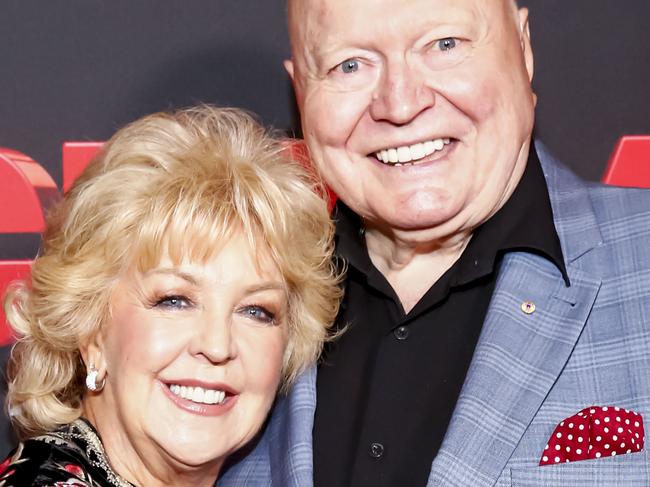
[(184, 278)]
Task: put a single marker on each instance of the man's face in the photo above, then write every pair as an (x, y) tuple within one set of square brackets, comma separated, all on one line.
[(418, 112)]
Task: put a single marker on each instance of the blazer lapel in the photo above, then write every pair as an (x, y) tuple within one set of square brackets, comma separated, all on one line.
[(283, 454), (530, 330), (290, 450)]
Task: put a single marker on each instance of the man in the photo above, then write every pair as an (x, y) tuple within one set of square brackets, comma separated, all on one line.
[(490, 293)]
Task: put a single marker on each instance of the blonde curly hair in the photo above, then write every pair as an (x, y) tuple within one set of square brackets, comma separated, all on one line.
[(177, 183)]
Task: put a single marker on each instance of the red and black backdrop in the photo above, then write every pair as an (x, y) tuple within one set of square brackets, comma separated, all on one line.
[(79, 69)]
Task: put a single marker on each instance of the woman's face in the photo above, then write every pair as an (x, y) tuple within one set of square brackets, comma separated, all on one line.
[(193, 356)]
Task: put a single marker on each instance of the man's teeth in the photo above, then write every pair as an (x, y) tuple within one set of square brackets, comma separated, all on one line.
[(411, 153), (198, 394)]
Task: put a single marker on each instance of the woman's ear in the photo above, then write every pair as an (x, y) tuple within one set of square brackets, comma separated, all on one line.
[(92, 353)]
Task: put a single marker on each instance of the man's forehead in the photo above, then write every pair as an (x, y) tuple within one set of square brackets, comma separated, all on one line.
[(300, 10), (296, 7)]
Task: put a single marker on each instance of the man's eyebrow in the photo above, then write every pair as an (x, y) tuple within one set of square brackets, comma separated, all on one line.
[(174, 272)]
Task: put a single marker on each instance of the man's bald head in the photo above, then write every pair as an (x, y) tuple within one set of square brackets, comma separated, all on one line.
[(297, 12)]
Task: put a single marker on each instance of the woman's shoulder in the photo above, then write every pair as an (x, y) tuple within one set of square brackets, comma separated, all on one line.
[(56, 459)]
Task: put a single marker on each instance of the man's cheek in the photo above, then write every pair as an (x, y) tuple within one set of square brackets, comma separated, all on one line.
[(474, 89), (479, 102), (331, 118)]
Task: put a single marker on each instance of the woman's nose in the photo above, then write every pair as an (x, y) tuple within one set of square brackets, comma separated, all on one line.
[(214, 339)]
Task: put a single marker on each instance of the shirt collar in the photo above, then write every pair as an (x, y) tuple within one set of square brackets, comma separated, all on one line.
[(525, 223)]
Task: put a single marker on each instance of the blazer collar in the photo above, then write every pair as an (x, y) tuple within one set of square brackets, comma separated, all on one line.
[(573, 211)]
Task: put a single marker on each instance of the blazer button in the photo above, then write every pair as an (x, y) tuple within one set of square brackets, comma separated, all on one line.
[(376, 450), (401, 332)]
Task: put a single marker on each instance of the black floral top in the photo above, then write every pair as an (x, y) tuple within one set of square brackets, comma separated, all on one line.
[(72, 456)]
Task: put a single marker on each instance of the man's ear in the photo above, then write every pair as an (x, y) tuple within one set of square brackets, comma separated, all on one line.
[(288, 65), (526, 46)]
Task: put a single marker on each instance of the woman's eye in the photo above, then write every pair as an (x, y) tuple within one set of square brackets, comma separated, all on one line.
[(349, 66), (446, 44), (173, 302), (259, 313)]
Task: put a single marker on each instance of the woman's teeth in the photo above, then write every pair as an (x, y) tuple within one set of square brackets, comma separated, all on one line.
[(198, 394), (411, 153)]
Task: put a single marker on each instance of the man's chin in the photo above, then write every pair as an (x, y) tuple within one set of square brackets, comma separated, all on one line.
[(433, 222)]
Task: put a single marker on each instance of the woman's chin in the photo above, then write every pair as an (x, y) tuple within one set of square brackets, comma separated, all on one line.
[(196, 458)]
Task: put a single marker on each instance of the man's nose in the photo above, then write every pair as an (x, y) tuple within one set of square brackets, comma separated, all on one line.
[(214, 339), (401, 95)]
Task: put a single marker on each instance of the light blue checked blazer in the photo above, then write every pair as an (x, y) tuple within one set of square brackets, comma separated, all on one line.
[(587, 344)]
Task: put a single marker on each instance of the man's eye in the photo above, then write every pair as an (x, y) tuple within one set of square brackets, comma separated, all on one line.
[(446, 44), (173, 302), (259, 313), (349, 66)]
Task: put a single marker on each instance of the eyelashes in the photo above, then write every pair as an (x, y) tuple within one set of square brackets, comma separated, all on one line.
[(348, 66), (359, 69), (172, 302), (447, 44), (258, 313)]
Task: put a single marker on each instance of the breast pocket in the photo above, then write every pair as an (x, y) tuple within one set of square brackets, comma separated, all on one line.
[(630, 470)]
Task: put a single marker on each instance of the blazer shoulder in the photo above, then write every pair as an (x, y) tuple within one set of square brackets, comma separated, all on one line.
[(623, 219), (622, 208), (592, 216)]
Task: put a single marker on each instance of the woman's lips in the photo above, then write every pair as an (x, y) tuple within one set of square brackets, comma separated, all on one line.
[(192, 398)]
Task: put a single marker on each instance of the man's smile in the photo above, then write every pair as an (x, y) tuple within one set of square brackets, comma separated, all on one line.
[(411, 154)]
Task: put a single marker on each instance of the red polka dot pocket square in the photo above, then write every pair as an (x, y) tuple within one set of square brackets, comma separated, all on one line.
[(595, 432)]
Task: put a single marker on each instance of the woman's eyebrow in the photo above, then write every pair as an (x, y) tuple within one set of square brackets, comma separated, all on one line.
[(195, 280), (266, 286), (174, 272)]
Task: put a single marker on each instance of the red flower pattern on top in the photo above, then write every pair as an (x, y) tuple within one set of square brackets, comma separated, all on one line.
[(4, 465), (75, 470), (71, 483)]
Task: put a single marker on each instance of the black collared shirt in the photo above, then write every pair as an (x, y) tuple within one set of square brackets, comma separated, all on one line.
[(388, 386)]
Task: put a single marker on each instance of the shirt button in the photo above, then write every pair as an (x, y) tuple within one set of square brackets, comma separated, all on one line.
[(401, 332), (376, 450)]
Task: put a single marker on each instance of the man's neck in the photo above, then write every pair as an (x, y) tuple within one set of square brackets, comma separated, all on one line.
[(413, 261)]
